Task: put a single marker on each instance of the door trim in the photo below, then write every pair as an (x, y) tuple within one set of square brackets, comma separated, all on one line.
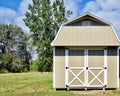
[(66, 65), (105, 67), (86, 70)]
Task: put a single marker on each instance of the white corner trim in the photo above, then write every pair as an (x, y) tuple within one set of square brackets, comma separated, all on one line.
[(52, 44), (85, 73), (54, 68), (86, 65), (105, 65), (118, 67), (115, 33), (66, 65), (66, 57), (105, 57)]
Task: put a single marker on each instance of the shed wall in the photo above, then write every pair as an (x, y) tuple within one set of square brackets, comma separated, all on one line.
[(112, 67), (59, 67)]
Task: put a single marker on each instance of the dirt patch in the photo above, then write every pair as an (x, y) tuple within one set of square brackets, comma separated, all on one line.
[(91, 92)]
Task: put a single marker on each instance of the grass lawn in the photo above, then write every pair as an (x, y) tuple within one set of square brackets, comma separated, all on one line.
[(40, 84)]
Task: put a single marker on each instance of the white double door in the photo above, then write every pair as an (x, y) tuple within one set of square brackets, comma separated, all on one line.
[(86, 67)]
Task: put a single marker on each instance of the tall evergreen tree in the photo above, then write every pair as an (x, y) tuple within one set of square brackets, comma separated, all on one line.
[(60, 14), (44, 19)]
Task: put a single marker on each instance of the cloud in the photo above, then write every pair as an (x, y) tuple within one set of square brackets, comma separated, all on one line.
[(24, 6), (21, 14), (74, 6), (91, 6), (10, 16), (19, 22), (106, 9), (7, 15), (109, 4)]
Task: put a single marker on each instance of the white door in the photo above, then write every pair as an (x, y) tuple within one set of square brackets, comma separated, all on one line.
[(86, 68)]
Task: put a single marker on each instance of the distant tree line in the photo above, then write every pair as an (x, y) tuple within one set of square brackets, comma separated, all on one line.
[(14, 56)]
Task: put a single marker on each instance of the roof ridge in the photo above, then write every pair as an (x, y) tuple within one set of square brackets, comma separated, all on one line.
[(89, 14)]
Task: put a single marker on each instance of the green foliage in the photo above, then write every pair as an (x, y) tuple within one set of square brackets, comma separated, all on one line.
[(44, 20), (34, 65), (15, 48), (4, 62), (60, 13)]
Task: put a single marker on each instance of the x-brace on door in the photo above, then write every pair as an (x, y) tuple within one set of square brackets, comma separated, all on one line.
[(86, 68)]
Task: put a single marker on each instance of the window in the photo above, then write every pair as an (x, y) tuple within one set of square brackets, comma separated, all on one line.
[(59, 51), (86, 23), (76, 52), (96, 53)]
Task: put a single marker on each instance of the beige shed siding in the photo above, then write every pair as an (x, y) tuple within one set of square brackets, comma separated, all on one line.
[(112, 67), (76, 59), (59, 67), (86, 36), (93, 61), (96, 58)]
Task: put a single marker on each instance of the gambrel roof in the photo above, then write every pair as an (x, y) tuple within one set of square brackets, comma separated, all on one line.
[(99, 33)]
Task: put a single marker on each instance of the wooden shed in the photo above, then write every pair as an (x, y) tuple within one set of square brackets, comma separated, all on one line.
[(86, 54)]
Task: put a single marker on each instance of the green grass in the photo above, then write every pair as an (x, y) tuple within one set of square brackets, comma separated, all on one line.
[(40, 84)]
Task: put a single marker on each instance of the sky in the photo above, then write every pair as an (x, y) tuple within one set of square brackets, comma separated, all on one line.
[(13, 11)]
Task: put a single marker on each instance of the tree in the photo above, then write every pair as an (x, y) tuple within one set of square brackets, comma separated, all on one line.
[(12, 39), (24, 52), (43, 20), (60, 14)]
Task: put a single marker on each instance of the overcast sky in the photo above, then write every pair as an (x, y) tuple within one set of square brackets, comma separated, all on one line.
[(13, 11)]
